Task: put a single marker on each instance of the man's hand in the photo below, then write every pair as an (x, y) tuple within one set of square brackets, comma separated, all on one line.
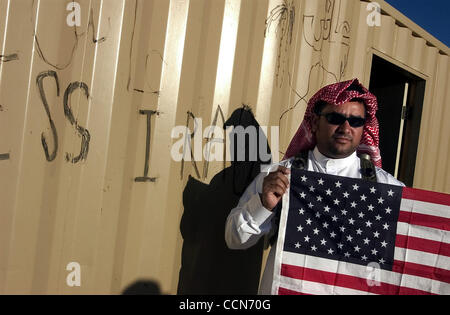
[(274, 186)]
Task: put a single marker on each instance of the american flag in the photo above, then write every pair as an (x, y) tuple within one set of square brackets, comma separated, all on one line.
[(340, 235)]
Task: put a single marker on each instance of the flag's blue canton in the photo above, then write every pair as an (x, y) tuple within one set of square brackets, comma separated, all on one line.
[(342, 218)]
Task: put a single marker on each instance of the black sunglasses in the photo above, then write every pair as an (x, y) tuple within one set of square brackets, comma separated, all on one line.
[(339, 119)]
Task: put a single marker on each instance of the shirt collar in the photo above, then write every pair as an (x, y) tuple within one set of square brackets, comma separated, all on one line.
[(338, 163)]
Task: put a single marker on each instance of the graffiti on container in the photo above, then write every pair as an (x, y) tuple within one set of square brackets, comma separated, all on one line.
[(4, 156), (82, 132), (188, 143), (8, 58), (333, 29), (321, 31), (75, 38), (212, 135), (146, 88), (40, 83), (285, 15), (145, 178), (91, 26)]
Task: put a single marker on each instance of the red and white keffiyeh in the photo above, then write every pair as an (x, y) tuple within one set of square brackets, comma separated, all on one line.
[(338, 94)]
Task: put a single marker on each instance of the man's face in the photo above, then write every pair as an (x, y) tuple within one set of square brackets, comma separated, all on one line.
[(338, 141)]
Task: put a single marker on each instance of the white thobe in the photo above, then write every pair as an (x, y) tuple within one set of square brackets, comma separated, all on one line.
[(250, 221)]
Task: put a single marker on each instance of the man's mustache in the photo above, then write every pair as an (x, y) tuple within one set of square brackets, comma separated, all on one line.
[(342, 135)]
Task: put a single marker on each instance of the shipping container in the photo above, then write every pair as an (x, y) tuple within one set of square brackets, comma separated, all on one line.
[(94, 197)]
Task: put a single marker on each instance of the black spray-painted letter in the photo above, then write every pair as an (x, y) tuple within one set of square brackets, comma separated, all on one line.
[(39, 81), (145, 178), (84, 133)]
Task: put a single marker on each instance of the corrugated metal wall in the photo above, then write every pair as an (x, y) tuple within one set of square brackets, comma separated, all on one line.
[(75, 103)]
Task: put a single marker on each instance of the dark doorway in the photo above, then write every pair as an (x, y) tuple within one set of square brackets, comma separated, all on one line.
[(400, 97)]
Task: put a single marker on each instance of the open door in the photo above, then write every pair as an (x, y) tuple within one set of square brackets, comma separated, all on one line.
[(400, 97)]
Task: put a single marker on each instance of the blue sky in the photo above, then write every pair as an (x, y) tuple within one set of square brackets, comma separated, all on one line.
[(431, 15)]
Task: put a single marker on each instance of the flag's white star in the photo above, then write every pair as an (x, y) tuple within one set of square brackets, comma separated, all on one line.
[(300, 228), (311, 188), (313, 248), (316, 231), (366, 241), (359, 231), (319, 198), (297, 245), (374, 251), (370, 207), (368, 224), (332, 235), (302, 195), (390, 193), (383, 244), (336, 201), (363, 197), (328, 192), (330, 251), (334, 218), (323, 242), (310, 205), (326, 209), (388, 210), (301, 211), (361, 215), (355, 187), (357, 248), (351, 221), (342, 228), (344, 212), (347, 254), (306, 238), (386, 226), (320, 181), (373, 190), (308, 221), (353, 204), (304, 178), (376, 234), (325, 225), (380, 200), (317, 214), (364, 257), (338, 184), (378, 217), (349, 238), (381, 261), (340, 245), (346, 194)]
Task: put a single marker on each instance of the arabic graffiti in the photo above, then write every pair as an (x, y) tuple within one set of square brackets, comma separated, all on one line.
[(325, 32)]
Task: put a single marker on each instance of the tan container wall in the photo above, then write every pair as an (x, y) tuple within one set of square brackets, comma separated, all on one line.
[(81, 91)]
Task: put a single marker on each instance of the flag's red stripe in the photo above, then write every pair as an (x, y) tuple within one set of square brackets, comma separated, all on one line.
[(424, 220), (419, 270), (346, 281), (426, 196), (424, 245), (283, 291)]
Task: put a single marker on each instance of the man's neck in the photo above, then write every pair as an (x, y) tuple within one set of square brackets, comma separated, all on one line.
[(322, 158)]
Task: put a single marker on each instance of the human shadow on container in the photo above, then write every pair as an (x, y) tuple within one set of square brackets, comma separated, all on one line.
[(208, 266), (142, 287)]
